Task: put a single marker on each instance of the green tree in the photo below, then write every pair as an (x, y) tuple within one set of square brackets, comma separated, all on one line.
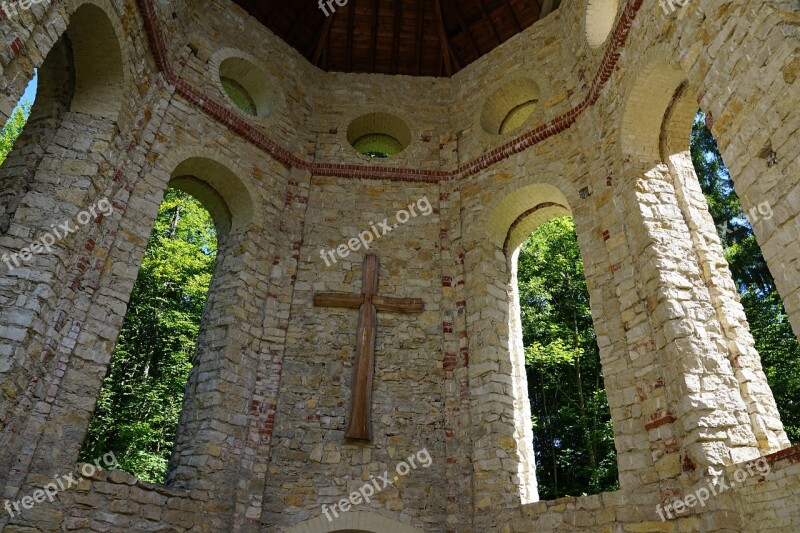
[(769, 324), (13, 128), (573, 437), (142, 396)]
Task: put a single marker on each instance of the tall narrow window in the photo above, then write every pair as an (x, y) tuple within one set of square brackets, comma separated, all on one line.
[(572, 431), (19, 117), (137, 413), (769, 324), (16, 165)]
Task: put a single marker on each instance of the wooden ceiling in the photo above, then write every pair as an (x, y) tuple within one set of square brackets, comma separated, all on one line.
[(413, 37)]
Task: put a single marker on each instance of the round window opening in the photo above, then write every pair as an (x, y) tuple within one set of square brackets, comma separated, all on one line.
[(600, 16), (247, 87), (378, 145), (510, 107), (378, 135)]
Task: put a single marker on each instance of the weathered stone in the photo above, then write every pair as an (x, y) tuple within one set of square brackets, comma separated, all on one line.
[(261, 444)]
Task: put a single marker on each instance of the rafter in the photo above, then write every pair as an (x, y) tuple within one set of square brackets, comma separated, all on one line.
[(397, 36), (328, 49), (398, 23), (373, 52), (351, 23), (443, 39), (270, 15), (323, 39), (419, 44), (298, 22), (454, 58), (464, 27), (488, 20), (513, 15)]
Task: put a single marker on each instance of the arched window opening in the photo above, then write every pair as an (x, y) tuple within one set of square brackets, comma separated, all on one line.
[(137, 413), (572, 432), (239, 95), (769, 323), (13, 141), (247, 86), (599, 17), (19, 117), (378, 135), (510, 106), (518, 115), (378, 145)]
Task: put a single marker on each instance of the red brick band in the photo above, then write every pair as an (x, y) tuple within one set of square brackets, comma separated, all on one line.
[(289, 159)]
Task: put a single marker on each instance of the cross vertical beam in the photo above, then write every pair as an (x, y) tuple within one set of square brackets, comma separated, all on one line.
[(368, 303)]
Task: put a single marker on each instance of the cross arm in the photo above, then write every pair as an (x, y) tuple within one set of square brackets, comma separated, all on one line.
[(332, 299), (399, 305)]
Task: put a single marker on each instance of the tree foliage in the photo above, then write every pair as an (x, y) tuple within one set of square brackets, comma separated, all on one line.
[(769, 324), (142, 396), (572, 433), (573, 437), (13, 128)]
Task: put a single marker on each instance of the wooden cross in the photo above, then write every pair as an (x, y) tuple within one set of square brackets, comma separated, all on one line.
[(368, 303)]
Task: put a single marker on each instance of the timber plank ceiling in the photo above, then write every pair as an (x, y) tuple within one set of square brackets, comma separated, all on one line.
[(413, 37)]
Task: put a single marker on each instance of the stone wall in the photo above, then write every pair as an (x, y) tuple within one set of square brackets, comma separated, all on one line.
[(260, 444)]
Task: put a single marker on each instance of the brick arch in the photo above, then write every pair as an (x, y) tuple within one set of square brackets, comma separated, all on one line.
[(81, 70), (91, 73), (675, 139), (99, 76), (261, 86), (516, 214), (100, 55), (514, 206), (218, 183), (647, 102), (219, 190)]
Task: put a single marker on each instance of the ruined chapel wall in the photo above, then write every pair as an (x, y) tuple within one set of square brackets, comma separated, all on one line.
[(55, 335), (271, 435), (312, 404)]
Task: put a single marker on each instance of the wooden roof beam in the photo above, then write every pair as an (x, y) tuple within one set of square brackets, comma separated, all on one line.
[(398, 22), (488, 20), (373, 52), (270, 15), (443, 39), (298, 23), (351, 24), (513, 15), (322, 40), (465, 29), (418, 44), (454, 58)]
